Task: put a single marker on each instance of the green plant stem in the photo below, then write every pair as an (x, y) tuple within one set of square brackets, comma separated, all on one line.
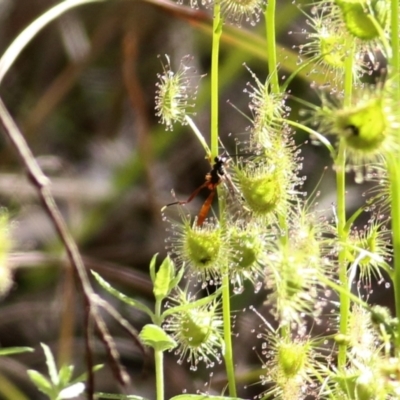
[(217, 31), (159, 362), (271, 45), (157, 314), (395, 41), (340, 167), (226, 297), (159, 355), (394, 176), (342, 235), (198, 134), (228, 354)]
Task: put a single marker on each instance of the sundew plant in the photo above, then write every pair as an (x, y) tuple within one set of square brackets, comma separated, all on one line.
[(268, 230), (318, 334)]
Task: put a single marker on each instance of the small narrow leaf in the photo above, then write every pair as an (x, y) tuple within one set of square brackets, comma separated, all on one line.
[(164, 276), (65, 374), (41, 382), (116, 293), (15, 350), (153, 336), (51, 364), (153, 268)]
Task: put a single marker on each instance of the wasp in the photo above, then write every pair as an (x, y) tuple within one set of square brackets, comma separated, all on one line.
[(213, 178)]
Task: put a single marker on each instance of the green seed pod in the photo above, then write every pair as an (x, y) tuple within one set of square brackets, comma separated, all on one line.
[(196, 326), (6, 275)]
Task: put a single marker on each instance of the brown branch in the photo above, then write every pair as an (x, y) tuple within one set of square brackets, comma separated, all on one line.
[(41, 183)]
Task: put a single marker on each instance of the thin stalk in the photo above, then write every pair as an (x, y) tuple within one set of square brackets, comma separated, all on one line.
[(199, 135), (394, 176), (342, 235), (271, 45), (340, 167), (394, 167), (395, 41), (228, 355), (226, 296), (159, 362)]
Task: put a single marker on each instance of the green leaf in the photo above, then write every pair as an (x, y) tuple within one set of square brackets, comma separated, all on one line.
[(153, 336), (65, 374), (164, 277), (174, 282), (118, 396), (153, 268), (72, 391), (41, 382), (189, 306), (116, 293), (15, 350), (83, 377), (51, 364)]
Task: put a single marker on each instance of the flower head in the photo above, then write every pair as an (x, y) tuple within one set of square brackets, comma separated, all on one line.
[(6, 280), (268, 179), (290, 362), (330, 43), (175, 93), (201, 248), (293, 268), (268, 109), (197, 328), (246, 253), (237, 10)]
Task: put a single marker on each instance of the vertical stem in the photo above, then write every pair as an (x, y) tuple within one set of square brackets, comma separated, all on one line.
[(159, 360), (340, 167), (159, 357), (394, 166), (226, 306), (395, 41), (271, 45), (217, 31), (394, 175)]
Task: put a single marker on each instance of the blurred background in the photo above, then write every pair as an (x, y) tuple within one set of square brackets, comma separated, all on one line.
[(83, 94)]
